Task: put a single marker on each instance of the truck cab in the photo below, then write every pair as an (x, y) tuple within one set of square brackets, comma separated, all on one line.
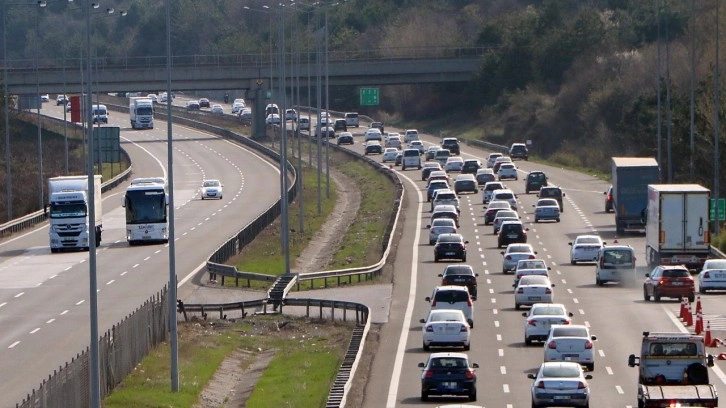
[(673, 368)]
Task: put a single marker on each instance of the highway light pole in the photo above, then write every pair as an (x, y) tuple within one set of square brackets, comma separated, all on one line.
[(285, 236), (716, 130), (8, 173), (41, 4)]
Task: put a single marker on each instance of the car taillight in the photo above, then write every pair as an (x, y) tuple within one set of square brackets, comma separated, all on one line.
[(541, 385), (532, 322), (470, 375), (433, 303), (473, 282), (588, 344), (520, 290), (531, 257), (519, 276), (662, 281), (565, 322), (468, 301), (548, 291), (508, 257), (464, 328), (552, 345), (444, 281), (610, 197), (429, 329), (428, 374), (581, 385)]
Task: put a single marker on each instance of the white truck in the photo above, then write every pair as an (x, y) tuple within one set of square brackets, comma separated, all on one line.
[(673, 371), (69, 212), (676, 231), (141, 112)]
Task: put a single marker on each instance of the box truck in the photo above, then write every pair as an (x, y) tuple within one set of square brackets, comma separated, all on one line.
[(141, 112), (630, 177), (676, 230), (69, 212)]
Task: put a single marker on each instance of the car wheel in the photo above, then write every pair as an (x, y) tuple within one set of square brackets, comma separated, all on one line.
[(573, 262), (534, 405), (436, 259), (426, 348), (691, 298), (701, 289), (558, 220), (471, 323), (467, 347), (472, 396), (424, 396), (463, 259), (527, 341), (590, 367), (656, 296), (598, 282), (646, 297), (536, 220), (517, 306)]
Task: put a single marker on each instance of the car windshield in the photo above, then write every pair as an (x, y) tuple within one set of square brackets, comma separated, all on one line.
[(449, 362), (548, 202), (443, 222), (536, 177), (507, 214), (511, 227), (550, 192), (503, 196), (570, 331), (445, 316), (211, 183), (548, 310), (451, 296), (561, 370), (449, 238), (492, 187), (498, 204)]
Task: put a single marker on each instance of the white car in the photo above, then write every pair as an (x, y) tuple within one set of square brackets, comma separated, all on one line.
[(446, 328), (515, 253), (61, 100), (585, 248), (431, 152), (533, 289), (303, 123), (441, 226), (372, 134), (410, 135), (211, 189), (418, 145), (571, 342), (455, 163), (217, 109), (507, 171), (491, 159), (484, 176), (389, 155), (45, 98), (504, 215), (445, 196), (238, 105), (273, 119), (453, 297), (493, 209), (527, 267), (290, 114), (393, 141), (539, 319), (507, 195), (154, 98), (489, 188), (712, 275), (558, 383)]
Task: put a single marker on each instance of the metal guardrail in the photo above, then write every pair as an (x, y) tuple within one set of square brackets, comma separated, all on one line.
[(486, 145)]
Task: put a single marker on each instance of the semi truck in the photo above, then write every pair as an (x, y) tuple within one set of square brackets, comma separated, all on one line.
[(673, 371), (630, 177), (141, 112), (676, 231), (69, 212)]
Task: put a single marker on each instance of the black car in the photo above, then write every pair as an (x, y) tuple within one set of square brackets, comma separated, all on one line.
[(426, 171), (451, 144), (448, 374), (433, 186), (450, 246), (373, 146), (377, 125), (519, 151), (340, 125), (535, 181), (552, 192), (345, 138), (511, 232), (609, 199), (471, 166), (204, 103), (460, 275)]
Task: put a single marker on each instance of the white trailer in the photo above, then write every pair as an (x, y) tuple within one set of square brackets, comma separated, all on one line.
[(69, 212), (677, 226), (141, 113)]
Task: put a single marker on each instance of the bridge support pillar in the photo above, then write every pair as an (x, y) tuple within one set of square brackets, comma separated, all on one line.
[(256, 96)]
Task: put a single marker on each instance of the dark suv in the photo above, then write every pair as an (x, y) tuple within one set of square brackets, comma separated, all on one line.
[(450, 246), (519, 151), (460, 275), (451, 144), (552, 192), (340, 125), (471, 166), (511, 232), (535, 181)]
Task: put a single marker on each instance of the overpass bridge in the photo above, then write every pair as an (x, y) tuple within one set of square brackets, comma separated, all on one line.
[(245, 71)]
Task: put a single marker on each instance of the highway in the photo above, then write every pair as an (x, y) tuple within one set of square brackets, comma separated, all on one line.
[(616, 314), (44, 308)]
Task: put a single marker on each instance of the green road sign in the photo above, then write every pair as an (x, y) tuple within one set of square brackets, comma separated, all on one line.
[(369, 96), (721, 209)]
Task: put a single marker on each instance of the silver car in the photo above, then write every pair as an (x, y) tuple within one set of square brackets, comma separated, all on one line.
[(441, 226), (560, 384), (504, 215), (546, 209), (541, 317), (514, 253), (712, 276), (570, 342), (446, 328), (533, 289), (585, 248)]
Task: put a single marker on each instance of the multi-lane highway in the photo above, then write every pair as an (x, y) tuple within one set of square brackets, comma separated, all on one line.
[(616, 314), (44, 308)]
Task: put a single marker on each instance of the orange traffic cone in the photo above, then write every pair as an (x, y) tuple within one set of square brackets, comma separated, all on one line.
[(698, 304), (689, 317), (709, 342), (682, 313), (721, 356), (699, 323)]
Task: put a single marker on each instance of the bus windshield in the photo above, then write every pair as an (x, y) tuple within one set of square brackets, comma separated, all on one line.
[(145, 206)]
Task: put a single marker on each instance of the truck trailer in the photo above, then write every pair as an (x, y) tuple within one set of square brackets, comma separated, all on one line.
[(69, 212), (676, 231), (630, 177), (141, 112)]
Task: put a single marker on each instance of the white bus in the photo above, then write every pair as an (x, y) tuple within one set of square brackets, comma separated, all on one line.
[(146, 202)]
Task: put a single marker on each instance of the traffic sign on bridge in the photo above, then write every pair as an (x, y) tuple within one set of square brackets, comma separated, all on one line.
[(369, 96), (721, 209)]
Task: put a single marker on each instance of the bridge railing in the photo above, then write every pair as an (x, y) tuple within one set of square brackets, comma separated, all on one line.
[(252, 59)]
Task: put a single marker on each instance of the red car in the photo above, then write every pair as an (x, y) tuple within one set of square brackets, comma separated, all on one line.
[(673, 281)]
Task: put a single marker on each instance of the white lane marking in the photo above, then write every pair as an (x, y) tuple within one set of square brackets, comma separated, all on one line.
[(111, 281), (19, 294), (575, 300), (499, 337), (50, 321), (135, 266), (503, 370), (501, 352), (63, 312), (496, 323), (34, 330), (609, 370), (147, 258), (491, 291), (601, 352), (587, 324), (124, 273), (582, 311), (405, 327), (80, 302), (13, 345), (495, 311), (505, 389), (3, 304), (619, 389), (157, 251)]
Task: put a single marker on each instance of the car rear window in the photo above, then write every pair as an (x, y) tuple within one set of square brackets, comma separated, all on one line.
[(614, 256), (449, 362), (451, 296), (569, 332), (561, 370), (492, 187), (536, 176), (459, 270), (549, 310), (411, 153), (445, 196), (676, 273), (446, 316), (550, 192), (504, 196)]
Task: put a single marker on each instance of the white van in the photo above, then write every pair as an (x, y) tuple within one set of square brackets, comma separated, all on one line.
[(411, 158), (100, 114), (410, 135), (351, 119), (615, 264)]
